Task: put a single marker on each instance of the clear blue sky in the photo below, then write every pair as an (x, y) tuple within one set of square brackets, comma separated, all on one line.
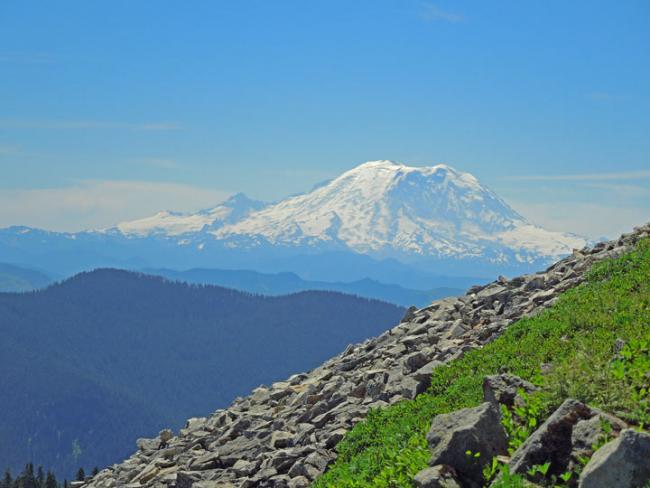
[(111, 108)]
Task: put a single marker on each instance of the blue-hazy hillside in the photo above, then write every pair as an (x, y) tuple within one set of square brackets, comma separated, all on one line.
[(94, 362)]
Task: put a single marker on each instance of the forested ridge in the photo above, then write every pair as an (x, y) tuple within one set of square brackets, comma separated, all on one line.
[(108, 356), (31, 477)]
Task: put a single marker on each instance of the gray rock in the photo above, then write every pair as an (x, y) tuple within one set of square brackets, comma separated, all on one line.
[(502, 389), (186, 480), (299, 482), (588, 432), (245, 468), (414, 361), (208, 460), (334, 437), (440, 476), (477, 430), (621, 463), (410, 387), (425, 372), (147, 444), (456, 330), (410, 314), (165, 435), (305, 470), (320, 459), (281, 439), (551, 442)]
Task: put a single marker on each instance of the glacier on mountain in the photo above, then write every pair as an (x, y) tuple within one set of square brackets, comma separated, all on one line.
[(388, 209), (380, 220)]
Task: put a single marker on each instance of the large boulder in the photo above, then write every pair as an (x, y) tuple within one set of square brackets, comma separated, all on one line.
[(467, 440), (565, 435), (623, 463)]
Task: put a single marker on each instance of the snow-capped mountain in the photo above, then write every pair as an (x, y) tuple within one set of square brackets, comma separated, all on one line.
[(381, 220), (388, 209), (169, 223)]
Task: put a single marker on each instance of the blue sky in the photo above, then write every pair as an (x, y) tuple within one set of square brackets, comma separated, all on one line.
[(111, 110)]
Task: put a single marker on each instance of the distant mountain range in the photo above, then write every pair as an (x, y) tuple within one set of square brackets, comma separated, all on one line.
[(286, 283), (381, 220), (92, 363), (17, 278), (20, 279)]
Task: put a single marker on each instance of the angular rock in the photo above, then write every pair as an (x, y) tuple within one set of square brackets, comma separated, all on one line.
[(477, 430), (425, 372), (280, 439), (209, 460), (299, 482), (588, 432), (621, 463), (147, 444), (439, 476), (414, 361), (502, 389), (560, 439)]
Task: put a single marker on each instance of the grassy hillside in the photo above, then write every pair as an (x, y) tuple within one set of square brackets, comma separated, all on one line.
[(576, 337)]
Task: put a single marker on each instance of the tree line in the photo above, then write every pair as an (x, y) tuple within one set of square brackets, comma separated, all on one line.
[(38, 478)]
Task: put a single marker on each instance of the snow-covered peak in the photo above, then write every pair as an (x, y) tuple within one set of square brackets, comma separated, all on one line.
[(381, 208), (169, 223), (391, 171), (388, 208)]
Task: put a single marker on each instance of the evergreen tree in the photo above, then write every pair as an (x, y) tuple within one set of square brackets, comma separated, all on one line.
[(95, 472), (27, 478), (81, 474), (7, 481), (50, 481), (40, 477)]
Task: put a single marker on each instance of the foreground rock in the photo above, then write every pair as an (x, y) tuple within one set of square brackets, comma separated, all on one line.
[(440, 476), (285, 434), (565, 436), (503, 389), (467, 440), (623, 462)]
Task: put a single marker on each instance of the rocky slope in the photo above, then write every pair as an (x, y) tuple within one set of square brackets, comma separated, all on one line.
[(285, 434)]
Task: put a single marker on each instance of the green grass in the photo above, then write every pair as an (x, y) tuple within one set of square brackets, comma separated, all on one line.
[(577, 336)]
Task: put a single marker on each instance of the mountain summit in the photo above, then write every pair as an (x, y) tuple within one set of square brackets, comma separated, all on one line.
[(389, 209), (381, 220), (169, 223)]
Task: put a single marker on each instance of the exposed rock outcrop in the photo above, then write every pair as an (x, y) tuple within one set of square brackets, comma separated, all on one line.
[(284, 435), (565, 435), (467, 440), (623, 462)]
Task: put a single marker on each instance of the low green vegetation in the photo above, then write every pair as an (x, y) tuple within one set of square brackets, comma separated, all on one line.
[(596, 339)]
